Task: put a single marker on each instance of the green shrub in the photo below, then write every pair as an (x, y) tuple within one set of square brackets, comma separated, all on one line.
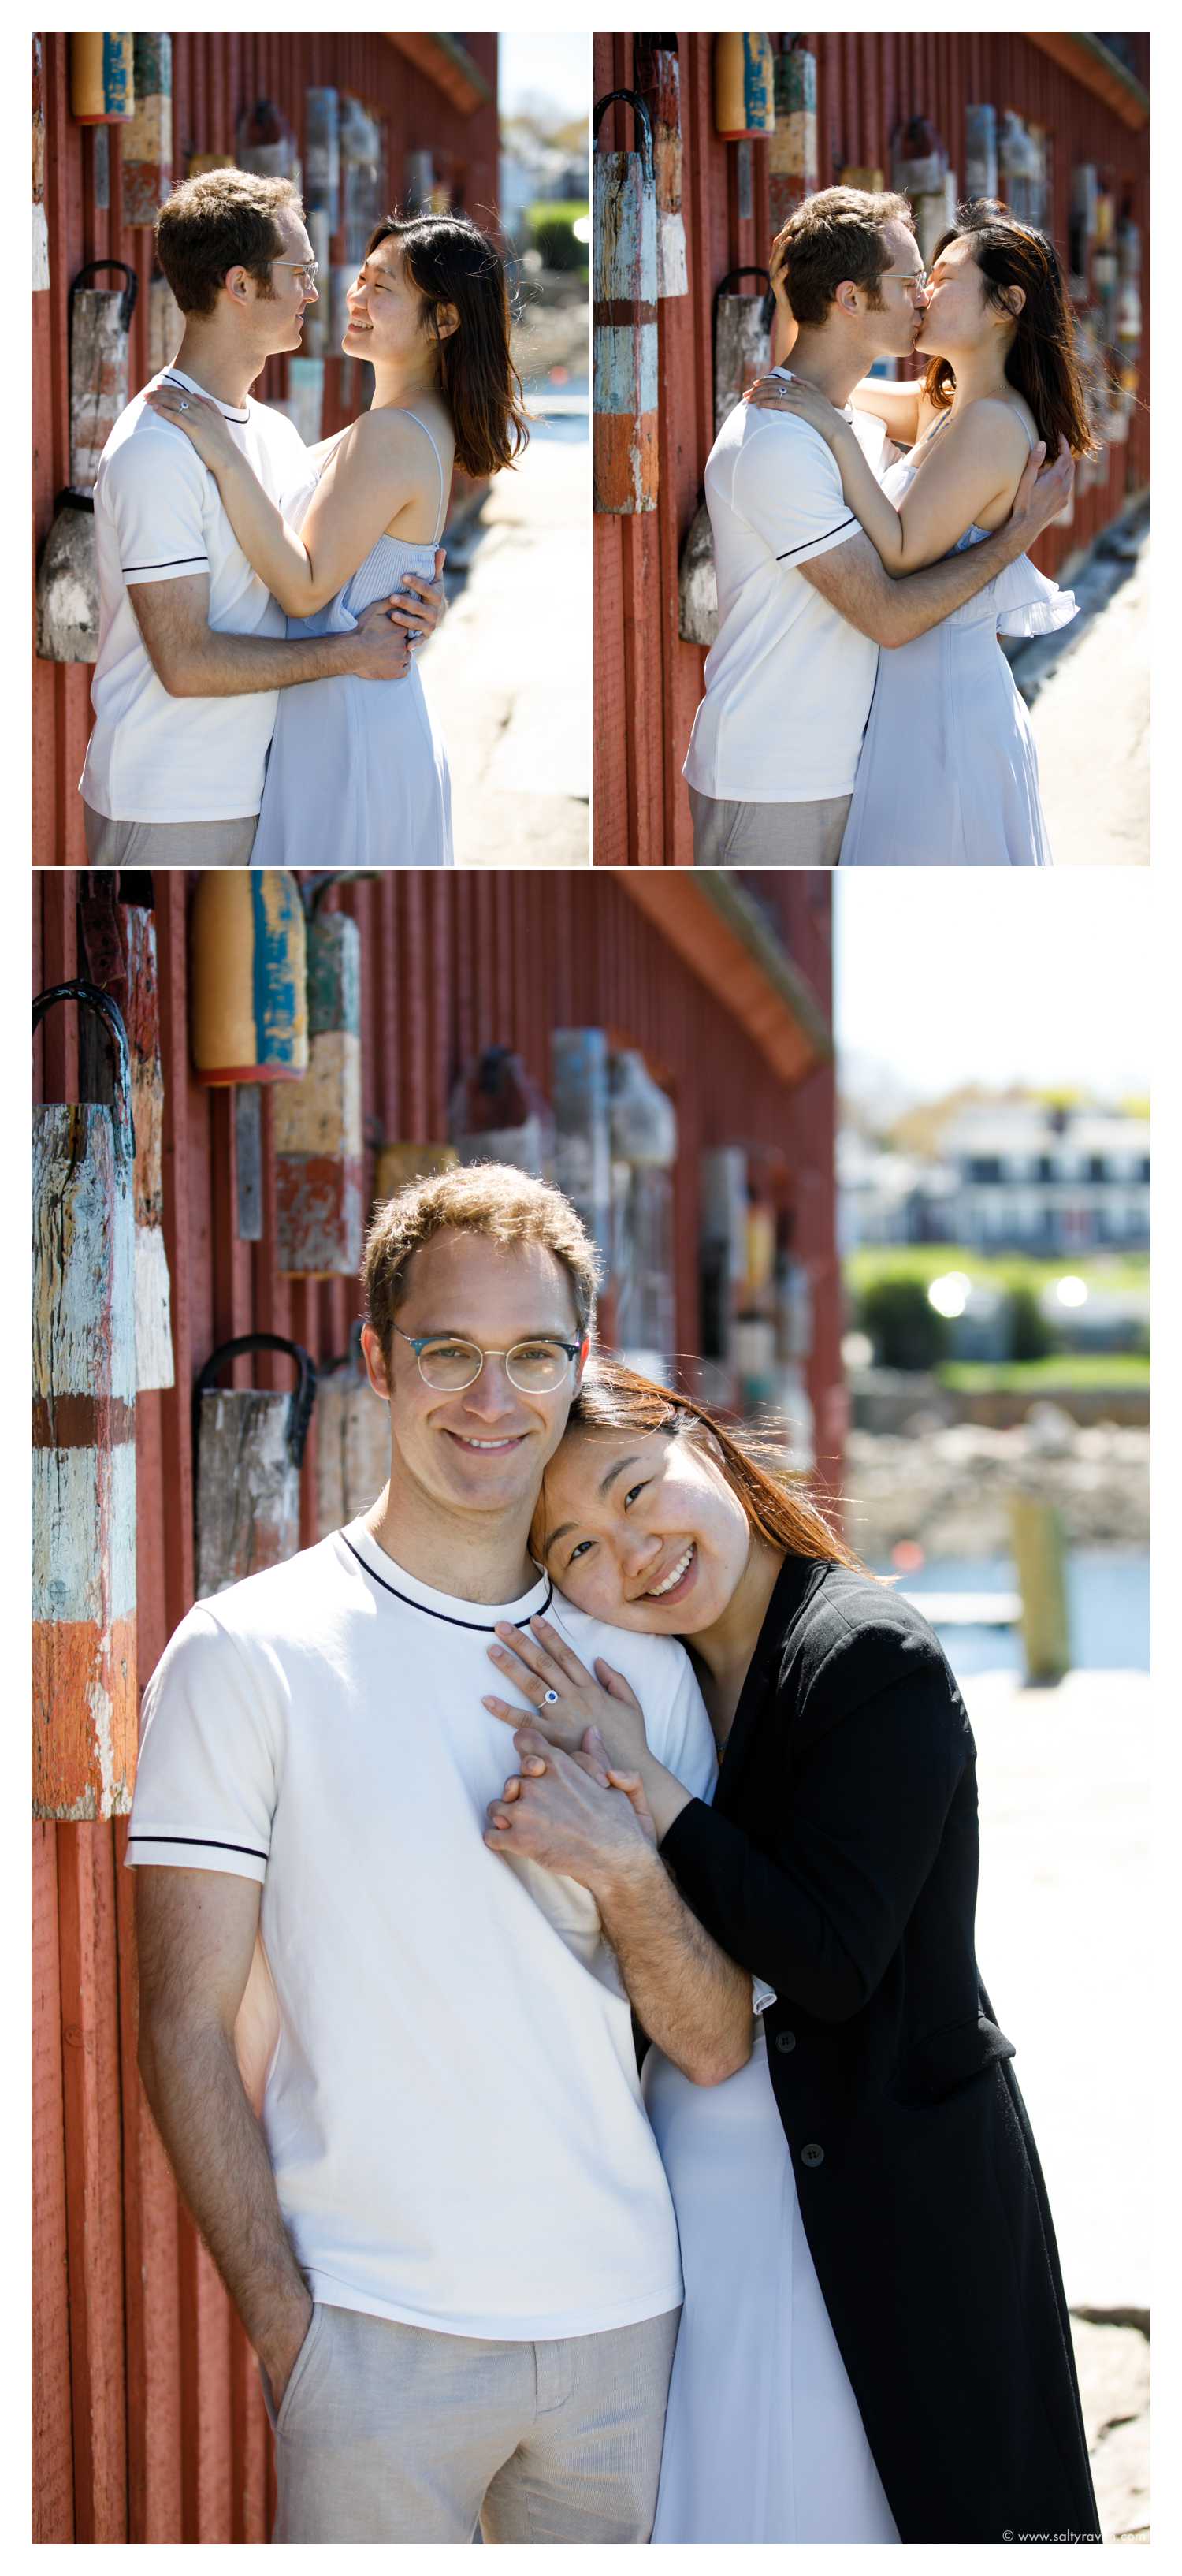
[(903, 1325), (1032, 1337), (556, 241)]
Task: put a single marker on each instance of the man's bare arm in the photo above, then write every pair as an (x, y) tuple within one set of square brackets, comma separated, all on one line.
[(894, 610), (195, 1936), (689, 1997), (193, 659)]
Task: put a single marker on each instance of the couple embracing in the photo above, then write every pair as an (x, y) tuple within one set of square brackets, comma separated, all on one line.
[(254, 695), (850, 514), (558, 1994)]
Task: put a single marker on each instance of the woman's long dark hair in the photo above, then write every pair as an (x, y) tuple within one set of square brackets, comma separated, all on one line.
[(778, 1504), (1041, 364), (449, 261)]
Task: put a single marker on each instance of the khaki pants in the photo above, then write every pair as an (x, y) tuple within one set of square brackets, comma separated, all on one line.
[(728, 835), (392, 2433), (168, 845)]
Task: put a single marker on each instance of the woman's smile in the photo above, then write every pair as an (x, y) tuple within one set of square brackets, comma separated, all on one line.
[(676, 1581)]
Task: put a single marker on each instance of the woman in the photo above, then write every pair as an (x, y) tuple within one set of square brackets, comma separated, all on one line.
[(875, 2344), (948, 774), (354, 768)]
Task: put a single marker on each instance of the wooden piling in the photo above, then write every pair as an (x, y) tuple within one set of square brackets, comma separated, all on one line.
[(1040, 1557)]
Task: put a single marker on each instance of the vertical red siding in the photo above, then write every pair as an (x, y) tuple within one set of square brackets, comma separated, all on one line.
[(149, 2425), (214, 78), (647, 682)]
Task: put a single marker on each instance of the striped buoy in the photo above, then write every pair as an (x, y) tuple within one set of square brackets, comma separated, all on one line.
[(249, 976), (744, 102), (792, 156), (84, 1389), (147, 145), (249, 1447), (625, 319), (102, 81), (658, 79), (317, 1130)]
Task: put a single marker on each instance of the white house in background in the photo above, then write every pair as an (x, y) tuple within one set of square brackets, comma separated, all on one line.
[(889, 1198), (1048, 1180)]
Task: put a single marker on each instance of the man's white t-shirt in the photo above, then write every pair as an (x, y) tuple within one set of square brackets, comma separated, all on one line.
[(452, 2111), (788, 680), (158, 517)]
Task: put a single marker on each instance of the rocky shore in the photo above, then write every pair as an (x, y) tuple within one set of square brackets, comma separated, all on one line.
[(947, 1485)]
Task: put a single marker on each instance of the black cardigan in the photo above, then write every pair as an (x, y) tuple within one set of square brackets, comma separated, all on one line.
[(839, 1862)]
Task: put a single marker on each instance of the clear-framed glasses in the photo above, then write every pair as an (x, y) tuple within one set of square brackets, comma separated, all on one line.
[(534, 1368), (308, 270)]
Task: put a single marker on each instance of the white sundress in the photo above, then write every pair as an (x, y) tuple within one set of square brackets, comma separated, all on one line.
[(357, 774), (763, 2436), (948, 773)]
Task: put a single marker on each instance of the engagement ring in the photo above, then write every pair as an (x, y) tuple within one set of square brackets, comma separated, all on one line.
[(182, 405), (547, 1697)]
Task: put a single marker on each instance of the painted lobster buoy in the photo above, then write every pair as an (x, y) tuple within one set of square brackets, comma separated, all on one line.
[(317, 1128), (67, 574), (792, 155), (84, 1389), (658, 79), (744, 103), (742, 353), (625, 319), (352, 1441), (40, 220), (249, 1447), (742, 341), (147, 145), (102, 83), (248, 950), (118, 949)]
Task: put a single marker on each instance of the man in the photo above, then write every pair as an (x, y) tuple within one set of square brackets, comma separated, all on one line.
[(192, 647), (804, 600), (450, 2240)]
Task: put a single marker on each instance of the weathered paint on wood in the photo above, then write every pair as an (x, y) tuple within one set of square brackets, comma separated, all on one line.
[(249, 951), (792, 152), (248, 1488), (147, 141), (742, 348), (625, 331), (658, 80), (84, 1536), (352, 1445), (744, 108), (118, 943), (98, 375), (317, 1122), (101, 79)]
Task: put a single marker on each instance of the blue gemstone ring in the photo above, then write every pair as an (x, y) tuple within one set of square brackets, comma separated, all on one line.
[(548, 1698)]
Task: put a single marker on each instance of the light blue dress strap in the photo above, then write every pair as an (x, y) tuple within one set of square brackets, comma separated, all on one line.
[(413, 415)]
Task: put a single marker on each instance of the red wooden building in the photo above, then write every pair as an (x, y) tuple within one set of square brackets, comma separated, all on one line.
[(1091, 107), (148, 2421), (431, 95)]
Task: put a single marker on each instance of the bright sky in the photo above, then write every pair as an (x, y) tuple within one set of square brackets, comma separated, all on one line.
[(556, 67), (950, 975)]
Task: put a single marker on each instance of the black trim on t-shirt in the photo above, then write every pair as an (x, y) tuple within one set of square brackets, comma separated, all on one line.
[(169, 562), (851, 522), (201, 1842), (485, 1627)]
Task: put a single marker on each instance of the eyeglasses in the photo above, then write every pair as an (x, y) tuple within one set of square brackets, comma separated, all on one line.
[(309, 271), (534, 1368)]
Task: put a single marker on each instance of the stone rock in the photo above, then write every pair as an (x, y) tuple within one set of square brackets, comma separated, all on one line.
[(1113, 2366)]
